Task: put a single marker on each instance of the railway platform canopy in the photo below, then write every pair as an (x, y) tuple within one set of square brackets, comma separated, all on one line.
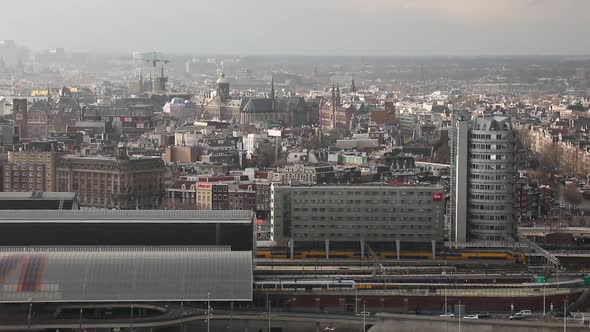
[(69, 274), (128, 228)]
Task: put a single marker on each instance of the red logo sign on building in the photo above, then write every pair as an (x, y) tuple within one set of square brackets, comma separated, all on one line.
[(437, 196)]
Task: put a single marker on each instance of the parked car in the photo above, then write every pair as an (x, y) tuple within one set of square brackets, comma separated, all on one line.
[(364, 313), (484, 315), (448, 315), (525, 313), (471, 317), (517, 316)]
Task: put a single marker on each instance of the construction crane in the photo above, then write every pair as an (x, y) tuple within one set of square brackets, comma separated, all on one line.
[(154, 79)]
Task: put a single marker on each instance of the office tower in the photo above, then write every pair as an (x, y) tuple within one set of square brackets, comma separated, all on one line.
[(483, 179)]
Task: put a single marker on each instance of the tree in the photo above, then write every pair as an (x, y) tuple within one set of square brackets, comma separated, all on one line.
[(541, 176), (572, 195), (443, 155), (549, 158)]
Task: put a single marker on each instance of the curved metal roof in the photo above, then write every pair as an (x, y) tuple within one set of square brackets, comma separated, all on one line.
[(102, 274), (141, 216)]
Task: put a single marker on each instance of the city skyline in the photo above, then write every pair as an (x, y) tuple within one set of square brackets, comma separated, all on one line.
[(327, 27)]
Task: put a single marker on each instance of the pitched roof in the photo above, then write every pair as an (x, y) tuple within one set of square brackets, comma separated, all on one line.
[(127, 216), (179, 183), (269, 105)]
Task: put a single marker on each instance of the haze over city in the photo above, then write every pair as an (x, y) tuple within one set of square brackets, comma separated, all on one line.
[(304, 27), (294, 166)]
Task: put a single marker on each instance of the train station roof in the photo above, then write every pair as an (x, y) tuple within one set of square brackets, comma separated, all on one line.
[(119, 274), (128, 216)]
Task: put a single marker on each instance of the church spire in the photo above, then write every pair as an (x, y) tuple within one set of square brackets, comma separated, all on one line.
[(272, 87), (140, 80), (352, 85), (333, 100)]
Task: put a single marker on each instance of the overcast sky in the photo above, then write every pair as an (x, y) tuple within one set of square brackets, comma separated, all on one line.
[(318, 27)]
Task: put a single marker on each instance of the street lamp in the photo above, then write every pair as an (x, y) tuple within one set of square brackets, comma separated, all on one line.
[(181, 316), (445, 309), (208, 312), (29, 315), (268, 305), (356, 298), (364, 318), (81, 310), (564, 315), (131, 322), (544, 303), (460, 313)]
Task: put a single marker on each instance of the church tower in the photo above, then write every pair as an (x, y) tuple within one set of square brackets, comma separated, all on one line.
[(223, 87), (140, 81), (335, 103)]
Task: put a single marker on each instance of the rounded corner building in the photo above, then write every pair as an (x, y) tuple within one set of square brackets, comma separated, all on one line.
[(483, 182)]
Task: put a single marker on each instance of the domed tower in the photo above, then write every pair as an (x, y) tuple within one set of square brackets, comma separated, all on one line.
[(223, 87)]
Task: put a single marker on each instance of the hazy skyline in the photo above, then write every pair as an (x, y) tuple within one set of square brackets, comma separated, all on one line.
[(314, 27)]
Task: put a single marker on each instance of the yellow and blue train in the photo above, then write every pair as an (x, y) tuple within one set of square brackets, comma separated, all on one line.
[(466, 254)]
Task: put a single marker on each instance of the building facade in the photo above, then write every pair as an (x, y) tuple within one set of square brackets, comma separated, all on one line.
[(204, 196), (241, 199), (6, 134), (21, 118), (181, 154), (24, 177), (181, 195), (290, 112), (378, 214), (309, 174), (120, 182), (484, 178), (33, 159)]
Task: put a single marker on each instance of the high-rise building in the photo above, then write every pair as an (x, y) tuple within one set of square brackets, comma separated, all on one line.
[(483, 179)]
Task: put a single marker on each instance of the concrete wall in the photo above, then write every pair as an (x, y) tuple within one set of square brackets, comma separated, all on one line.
[(436, 324), (276, 326)]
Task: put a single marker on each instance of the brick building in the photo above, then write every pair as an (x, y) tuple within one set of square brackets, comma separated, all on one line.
[(120, 182), (181, 154)]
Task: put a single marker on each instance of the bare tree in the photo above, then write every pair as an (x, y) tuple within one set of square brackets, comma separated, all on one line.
[(540, 175), (443, 154), (572, 195), (549, 158)]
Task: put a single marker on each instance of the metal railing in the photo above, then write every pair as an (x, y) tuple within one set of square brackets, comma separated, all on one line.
[(485, 244), (535, 247), (555, 229), (458, 292)]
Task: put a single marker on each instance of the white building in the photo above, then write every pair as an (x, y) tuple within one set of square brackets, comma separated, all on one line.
[(483, 179)]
